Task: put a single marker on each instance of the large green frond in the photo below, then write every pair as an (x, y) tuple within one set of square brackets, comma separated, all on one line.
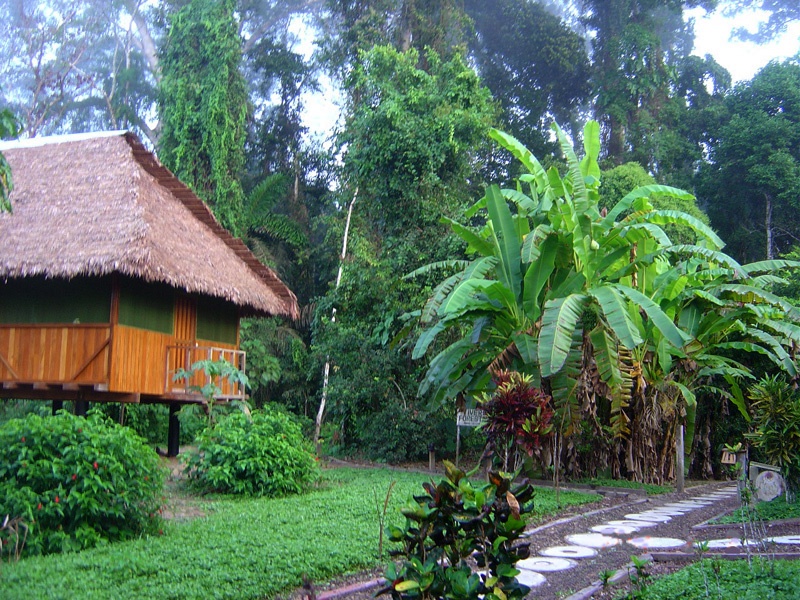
[(657, 316), (561, 316), (615, 308)]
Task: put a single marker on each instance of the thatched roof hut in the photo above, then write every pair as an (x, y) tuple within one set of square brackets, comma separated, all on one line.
[(99, 204)]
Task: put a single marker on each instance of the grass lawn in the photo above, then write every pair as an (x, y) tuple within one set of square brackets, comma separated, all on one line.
[(245, 548), (726, 579), (766, 511)]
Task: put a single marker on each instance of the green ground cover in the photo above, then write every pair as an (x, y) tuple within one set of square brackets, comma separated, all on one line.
[(766, 511), (722, 580), (244, 548), (650, 488)]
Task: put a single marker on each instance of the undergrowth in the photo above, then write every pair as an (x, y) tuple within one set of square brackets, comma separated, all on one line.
[(244, 548), (774, 579)]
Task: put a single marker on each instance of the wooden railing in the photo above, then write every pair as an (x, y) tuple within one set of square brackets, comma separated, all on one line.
[(184, 356)]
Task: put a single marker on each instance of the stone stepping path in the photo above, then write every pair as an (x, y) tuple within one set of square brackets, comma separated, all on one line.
[(662, 543), (632, 523), (569, 552), (785, 539), (546, 564), (611, 533), (724, 543), (609, 529)]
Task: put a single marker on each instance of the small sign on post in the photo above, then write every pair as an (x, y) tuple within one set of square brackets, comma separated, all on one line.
[(470, 417)]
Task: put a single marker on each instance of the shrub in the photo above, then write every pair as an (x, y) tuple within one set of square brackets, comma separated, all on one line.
[(264, 454), (518, 416), (77, 481), (776, 416), (456, 522)]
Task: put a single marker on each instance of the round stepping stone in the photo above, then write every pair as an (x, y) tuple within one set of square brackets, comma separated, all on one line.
[(530, 578), (632, 523), (699, 501), (647, 542), (786, 539), (649, 517), (615, 529), (569, 552), (545, 563), (669, 512), (592, 540), (725, 543), (687, 505)]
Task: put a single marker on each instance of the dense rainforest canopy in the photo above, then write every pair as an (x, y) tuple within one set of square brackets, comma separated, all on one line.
[(220, 90)]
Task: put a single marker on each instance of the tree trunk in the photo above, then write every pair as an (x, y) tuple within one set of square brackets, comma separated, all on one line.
[(324, 399), (768, 225)]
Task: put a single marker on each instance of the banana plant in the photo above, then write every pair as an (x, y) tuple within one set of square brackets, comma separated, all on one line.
[(567, 294)]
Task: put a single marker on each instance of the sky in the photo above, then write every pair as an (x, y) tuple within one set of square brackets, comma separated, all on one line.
[(712, 36), (741, 59)]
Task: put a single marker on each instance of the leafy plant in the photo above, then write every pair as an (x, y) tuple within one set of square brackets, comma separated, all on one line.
[(452, 524), (264, 454), (518, 417), (77, 481), (215, 372), (776, 417)]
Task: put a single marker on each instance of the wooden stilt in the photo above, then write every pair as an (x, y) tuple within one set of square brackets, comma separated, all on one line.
[(174, 433)]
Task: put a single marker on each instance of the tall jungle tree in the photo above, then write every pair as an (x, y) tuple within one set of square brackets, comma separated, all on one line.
[(409, 147), (751, 182), (534, 65), (203, 105)]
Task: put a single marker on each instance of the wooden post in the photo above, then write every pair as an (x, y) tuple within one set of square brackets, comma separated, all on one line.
[(458, 443), (80, 407), (57, 405), (174, 433), (679, 460)]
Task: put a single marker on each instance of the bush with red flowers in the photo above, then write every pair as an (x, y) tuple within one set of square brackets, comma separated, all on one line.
[(76, 482)]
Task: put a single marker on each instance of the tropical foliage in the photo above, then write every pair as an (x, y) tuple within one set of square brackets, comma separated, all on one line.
[(619, 324), (76, 483)]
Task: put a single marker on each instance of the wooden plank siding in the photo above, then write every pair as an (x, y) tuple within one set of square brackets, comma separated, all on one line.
[(55, 354), (139, 360)]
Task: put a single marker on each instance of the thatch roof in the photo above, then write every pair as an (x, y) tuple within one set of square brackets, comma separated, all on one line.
[(97, 204)]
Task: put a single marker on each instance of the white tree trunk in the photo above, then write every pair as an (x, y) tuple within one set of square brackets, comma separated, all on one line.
[(326, 373)]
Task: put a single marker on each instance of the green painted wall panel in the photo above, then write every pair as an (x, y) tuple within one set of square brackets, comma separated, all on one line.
[(38, 300), (148, 306), (217, 320)]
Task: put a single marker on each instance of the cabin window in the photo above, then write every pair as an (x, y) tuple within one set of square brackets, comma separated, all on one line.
[(81, 300), (217, 321), (146, 305)]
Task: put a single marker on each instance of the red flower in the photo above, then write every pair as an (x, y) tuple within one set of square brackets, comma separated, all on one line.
[(146, 478), (95, 465), (56, 499), (160, 532), (74, 476), (23, 438), (39, 506)]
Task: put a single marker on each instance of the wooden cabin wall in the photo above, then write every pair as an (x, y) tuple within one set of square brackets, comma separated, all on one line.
[(55, 354), (139, 360)]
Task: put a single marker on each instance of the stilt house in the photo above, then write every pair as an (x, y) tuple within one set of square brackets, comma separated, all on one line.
[(113, 275)]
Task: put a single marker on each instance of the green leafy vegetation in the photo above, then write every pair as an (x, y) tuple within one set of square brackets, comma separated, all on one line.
[(264, 454), (765, 511), (775, 579), (203, 106), (776, 420), (454, 521), (245, 547), (650, 488), (76, 482)]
